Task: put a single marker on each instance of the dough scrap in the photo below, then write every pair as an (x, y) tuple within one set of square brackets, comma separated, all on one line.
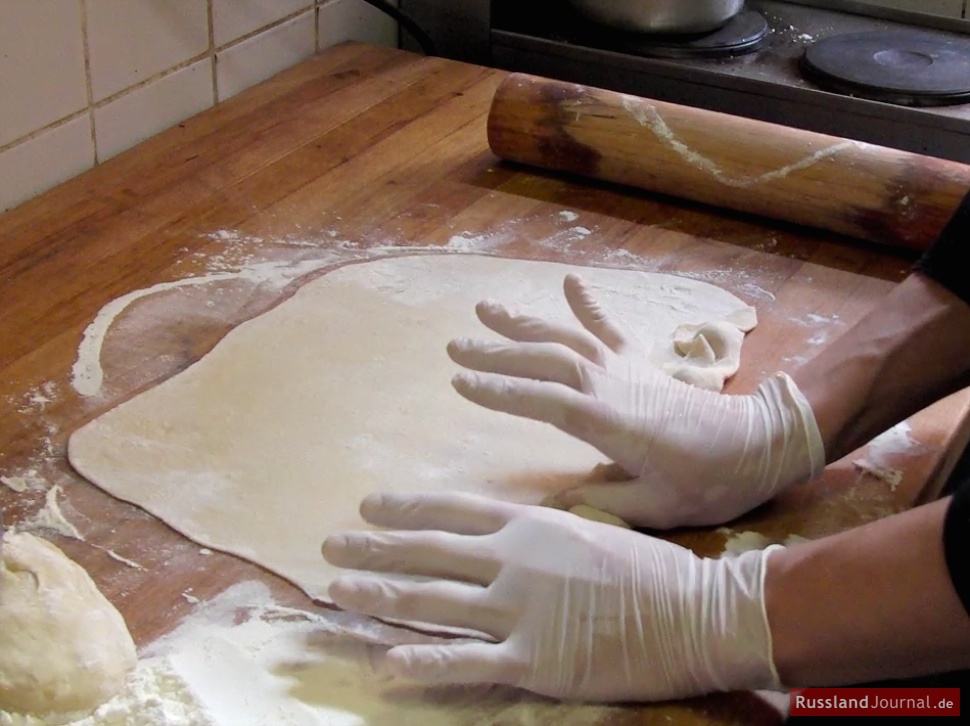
[(268, 444), (598, 515), (64, 649), (712, 350)]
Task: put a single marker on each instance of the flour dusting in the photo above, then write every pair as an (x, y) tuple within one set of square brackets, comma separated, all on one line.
[(51, 517), (882, 450), (244, 660)]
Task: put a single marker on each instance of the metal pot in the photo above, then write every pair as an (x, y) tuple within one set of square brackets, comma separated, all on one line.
[(660, 16)]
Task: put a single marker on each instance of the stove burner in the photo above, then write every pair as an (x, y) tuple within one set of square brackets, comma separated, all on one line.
[(744, 33), (907, 68)]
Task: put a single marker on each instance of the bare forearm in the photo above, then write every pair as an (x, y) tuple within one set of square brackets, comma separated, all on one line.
[(909, 352), (872, 603)]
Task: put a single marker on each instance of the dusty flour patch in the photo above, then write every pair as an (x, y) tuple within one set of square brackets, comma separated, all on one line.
[(156, 695), (51, 517), (884, 449), (244, 660), (242, 260)]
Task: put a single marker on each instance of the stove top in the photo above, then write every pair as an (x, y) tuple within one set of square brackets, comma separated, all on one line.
[(756, 67), (905, 67), (745, 33)]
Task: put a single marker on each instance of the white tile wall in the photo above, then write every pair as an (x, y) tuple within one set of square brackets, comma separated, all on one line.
[(261, 56), (40, 82), (83, 80), (341, 20), (151, 108), (130, 41), (44, 160), (232, 19)]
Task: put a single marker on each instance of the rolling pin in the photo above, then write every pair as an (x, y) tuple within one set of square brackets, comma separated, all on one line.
[(854, 188)]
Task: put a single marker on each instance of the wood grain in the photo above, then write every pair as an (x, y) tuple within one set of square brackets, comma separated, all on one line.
[(866, 191), (354, 151)]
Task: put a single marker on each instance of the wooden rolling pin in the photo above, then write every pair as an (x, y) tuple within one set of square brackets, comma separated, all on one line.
[(850, 187)]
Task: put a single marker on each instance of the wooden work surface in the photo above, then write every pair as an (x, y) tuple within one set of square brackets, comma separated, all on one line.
[(356, 151)]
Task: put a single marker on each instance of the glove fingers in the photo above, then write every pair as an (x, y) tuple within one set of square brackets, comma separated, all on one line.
[(455, 512), (441, 602), (570, 411), (428, 554), (597, 320), (527, 329), (459, 663), (553, 403), (539, 361)]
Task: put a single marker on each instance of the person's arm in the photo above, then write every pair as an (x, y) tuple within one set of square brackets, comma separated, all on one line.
[(911, 350), (875, 602)]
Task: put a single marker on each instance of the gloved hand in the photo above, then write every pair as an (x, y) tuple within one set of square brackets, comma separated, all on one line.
[(695, 457), (579, 610)]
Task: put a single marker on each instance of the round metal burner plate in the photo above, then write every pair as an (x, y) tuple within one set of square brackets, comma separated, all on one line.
[(744, 33), (909, 68)]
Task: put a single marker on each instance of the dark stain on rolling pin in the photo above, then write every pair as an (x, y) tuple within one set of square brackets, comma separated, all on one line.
[(558, 149), (907, 218)]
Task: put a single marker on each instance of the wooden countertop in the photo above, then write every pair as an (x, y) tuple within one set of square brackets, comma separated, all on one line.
[(356, 149)]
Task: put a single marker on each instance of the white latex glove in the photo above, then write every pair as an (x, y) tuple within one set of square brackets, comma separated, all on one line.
[(579, 610), (695, 457)]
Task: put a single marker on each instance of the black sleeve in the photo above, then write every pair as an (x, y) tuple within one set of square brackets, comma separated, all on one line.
[(948, 259), (956, 543), (948, 262)]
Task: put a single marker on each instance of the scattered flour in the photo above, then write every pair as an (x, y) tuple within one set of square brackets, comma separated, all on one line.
[(156, 695), (243, 660), (239, 263), (51, 517), (892, 443), (118, 558)]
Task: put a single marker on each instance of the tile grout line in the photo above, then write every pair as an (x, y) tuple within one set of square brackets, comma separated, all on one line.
[(316, 26), (88, 84), (94, 105), (210, 19)]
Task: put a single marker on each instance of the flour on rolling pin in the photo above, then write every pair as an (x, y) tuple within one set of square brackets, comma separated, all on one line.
[(648, 116)]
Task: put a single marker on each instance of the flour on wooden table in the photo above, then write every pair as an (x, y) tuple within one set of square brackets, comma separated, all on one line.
[(244, 660)]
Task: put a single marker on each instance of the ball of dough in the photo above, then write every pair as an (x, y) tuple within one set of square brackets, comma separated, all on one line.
[(63, 647)]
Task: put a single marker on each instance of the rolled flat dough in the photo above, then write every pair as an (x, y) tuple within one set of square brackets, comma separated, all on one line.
[(268, 443)]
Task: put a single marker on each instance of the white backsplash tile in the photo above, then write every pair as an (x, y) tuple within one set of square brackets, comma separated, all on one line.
[(156, 60), (132, 40), (36, 165), (232, 19), (41, 65), (134, 117), (342, 20), (264, 55)]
